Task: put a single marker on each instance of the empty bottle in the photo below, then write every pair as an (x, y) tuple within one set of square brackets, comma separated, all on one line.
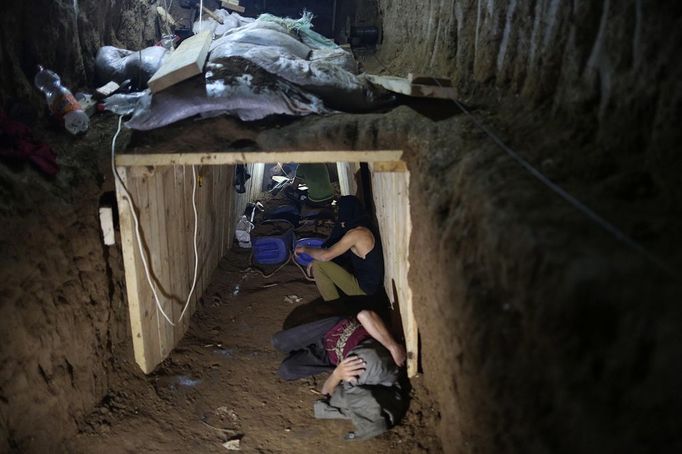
[(61, 101)]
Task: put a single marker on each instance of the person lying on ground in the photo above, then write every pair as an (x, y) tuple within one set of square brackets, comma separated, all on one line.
[(352, 236), (364, 385), (320, 345)]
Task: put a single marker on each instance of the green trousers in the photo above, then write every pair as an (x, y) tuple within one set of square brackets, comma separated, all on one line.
[(328, 276)]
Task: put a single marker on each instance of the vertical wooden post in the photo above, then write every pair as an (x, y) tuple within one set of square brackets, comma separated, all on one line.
[(391, 199)]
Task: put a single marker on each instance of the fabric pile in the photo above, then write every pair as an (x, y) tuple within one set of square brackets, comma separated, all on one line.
[(256, 68), (18, 144)]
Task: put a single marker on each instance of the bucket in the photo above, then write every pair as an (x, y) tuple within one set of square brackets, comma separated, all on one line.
[(305, 259)]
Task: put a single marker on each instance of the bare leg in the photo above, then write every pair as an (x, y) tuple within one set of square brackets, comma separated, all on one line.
[(376, 328)]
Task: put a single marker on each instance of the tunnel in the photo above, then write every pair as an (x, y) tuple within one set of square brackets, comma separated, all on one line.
[(518, 163)]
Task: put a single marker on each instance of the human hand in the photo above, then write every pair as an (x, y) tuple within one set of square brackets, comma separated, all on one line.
[(299, 250), (350, 368)]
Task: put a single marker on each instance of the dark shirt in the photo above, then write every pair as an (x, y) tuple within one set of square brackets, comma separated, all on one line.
[(369, 271)]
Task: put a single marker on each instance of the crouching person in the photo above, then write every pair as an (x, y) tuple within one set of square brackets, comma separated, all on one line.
[(363, 385)]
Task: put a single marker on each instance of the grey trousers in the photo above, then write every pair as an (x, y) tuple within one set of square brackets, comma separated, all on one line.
[(305, 348)]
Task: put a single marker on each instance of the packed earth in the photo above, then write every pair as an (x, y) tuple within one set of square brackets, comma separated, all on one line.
[(221, 384)]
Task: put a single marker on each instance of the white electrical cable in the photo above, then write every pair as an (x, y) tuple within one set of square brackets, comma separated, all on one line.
[(572, 200), (201, 12), (129, 199), (196, 251)]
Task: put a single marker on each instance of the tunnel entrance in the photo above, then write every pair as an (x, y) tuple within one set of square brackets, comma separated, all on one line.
[(161, 187)]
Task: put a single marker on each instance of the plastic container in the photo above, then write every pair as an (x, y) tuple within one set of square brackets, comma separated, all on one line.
[(63, 105), (305, 259), (272, 250)]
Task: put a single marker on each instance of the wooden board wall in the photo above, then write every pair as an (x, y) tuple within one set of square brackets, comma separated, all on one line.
[(162, 196), (237, 202), (346, 171), (391, 199)]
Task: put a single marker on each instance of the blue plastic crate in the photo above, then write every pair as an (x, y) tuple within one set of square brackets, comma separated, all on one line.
[(272, 250), (305, 259)]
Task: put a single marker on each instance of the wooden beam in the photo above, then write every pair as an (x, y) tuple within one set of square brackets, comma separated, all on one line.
[(165, 16), (405, 87), (420, 79), (231, 157), (143, 345), (213, 15), (392, 203), (233, 5), (389, 166), (184, 62)]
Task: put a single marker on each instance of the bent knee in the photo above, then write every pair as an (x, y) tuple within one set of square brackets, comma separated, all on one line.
[(365, 315), (318, 266)]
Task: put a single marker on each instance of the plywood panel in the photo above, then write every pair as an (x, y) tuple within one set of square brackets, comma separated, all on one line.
[(257, 171), (163, 198), (176, 218), (391, 199), (230, 207), (346, 172)]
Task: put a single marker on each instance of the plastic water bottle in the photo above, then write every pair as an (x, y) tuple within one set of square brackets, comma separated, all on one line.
[(61, 101)]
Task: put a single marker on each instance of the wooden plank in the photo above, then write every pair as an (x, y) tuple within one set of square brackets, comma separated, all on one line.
[(161, 254), (391, 199), (151, 312), (231, 157), (188, 184), (405, 87), (143, 306), (146, 193), (219, 194), (165, 16), (213, 15), (178, 272), (184, 62), (389, 166), (233, 5), (131, 264), (178, 275), (231, 207), (224, 207), (257, 175), (342, 172), (420, 79)]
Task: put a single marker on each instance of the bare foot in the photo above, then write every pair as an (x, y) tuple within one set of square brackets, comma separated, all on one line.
[(399, 354)]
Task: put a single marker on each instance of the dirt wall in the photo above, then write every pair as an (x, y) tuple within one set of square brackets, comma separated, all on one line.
[(542, 334), (64, 35), (63, 317), (613, 64), (540, 331), (63, 320)]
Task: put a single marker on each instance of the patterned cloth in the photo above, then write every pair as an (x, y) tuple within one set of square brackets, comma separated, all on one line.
[(342, 338)]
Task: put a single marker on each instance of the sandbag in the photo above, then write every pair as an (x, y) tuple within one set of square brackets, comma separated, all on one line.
[(230, 22), (265, 34), (118, 65), (232, 87), (328, 76)]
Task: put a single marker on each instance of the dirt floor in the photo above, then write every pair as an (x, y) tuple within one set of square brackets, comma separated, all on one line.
[(221, 384)]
